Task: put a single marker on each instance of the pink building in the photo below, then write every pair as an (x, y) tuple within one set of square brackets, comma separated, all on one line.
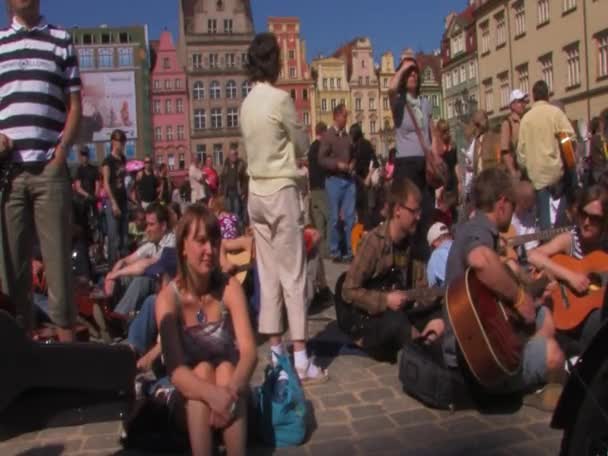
[(170, 109)]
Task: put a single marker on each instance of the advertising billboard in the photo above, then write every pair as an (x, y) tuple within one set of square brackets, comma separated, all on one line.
[(108, 102)]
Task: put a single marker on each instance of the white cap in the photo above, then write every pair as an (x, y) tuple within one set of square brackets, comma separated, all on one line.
[(517, 95), (437, 230)]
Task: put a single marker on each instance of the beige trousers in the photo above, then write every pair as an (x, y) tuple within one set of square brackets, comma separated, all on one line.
[(40, 198), (278, 230)]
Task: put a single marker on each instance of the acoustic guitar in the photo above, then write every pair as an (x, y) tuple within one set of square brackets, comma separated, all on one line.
[(243, 262), (355, 237), (570, 309), (567, 147), (77, 366), (511, 240), (491, 334)]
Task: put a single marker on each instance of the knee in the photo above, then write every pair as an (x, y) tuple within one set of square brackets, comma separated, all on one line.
[(205, 371), (223, 373), (555, 356)]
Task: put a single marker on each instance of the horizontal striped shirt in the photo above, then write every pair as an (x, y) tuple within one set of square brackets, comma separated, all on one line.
[(38, 71)]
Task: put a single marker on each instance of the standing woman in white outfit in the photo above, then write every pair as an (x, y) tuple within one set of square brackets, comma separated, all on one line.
[(275, 140)]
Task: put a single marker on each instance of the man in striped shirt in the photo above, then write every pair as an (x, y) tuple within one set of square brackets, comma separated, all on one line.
[(39, 113)]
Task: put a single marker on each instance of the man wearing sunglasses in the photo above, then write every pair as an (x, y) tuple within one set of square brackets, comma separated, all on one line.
[(373, 317)]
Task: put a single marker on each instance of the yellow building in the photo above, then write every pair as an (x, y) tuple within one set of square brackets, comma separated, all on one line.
[(385, 74), (331, 87), (564, 42)]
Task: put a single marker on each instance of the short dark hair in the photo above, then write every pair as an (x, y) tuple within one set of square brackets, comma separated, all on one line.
[(161, 212), (356, 132), (320, 128), (414, 68), (84, 151), (118, 135), (491, 185), (400, 191), (339, 109), (264, 58), (540, 91)]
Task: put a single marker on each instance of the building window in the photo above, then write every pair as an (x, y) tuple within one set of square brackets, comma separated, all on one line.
[(292, 94), (324, 105), (366, 80), (168, 84), (472, 69), (218, 154), (198, 90), (158, 134), (435, 99), (448, 81), (357, 104), (385, 83), (211, 26), (342, 101), (372, 104), (216, 118), (520, 18), (457, 44), (230, 60), (179, 106), (602, 50), (213, 61), (306, 118), (372, 127), (201, 152), (169, 133), (106, 57), (574, 65), (215, 90), (522, 76), (546, 69), (227, 25), (231, 89), (86, 58), (156, 107), (455, 80), (332, 83), (292, 72), (124, 37), (333, 104), (338, 83), (543, 15), (503, 81), (232, 118), (182, 160), (200, 119), (304, 94), (501, 29), (178, 83), (360, 80), (168, 107), (569, 5), (324, 83), (485, 37), (489, 96), (166, 63), (245, 88), (106, 38), (197, 61), (291, 54), (171, 161), (385, 103), (157, 84), (463, 73), (159, 158), (180, 133), (88, 38)]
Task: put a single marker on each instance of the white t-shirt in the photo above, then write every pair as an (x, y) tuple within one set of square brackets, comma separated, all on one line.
[(195, 175), (152, 250), (526, 224)]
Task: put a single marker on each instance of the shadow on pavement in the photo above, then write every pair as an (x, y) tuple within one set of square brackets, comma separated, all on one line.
[(46, 450)]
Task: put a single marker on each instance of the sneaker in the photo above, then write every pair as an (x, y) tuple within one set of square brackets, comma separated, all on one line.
[(306, 380)]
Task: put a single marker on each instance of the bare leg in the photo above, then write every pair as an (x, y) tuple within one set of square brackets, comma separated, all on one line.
[(197, 414), (235, 435)]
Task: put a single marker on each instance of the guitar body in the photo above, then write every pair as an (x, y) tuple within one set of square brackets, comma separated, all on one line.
[(568, 150), (242, 261), (355, 237), (491, 347), (571, 309)]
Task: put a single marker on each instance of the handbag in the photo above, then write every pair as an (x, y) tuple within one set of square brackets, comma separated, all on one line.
[(436, 170), (280, 413)]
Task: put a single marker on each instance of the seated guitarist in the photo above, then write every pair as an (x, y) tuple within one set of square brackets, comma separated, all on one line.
[(588, 235), (474, 246), (372, 317)]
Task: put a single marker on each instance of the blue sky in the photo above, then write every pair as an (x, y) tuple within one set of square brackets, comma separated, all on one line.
[(391, 24)]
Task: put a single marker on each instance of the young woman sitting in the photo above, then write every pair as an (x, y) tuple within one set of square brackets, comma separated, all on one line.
[(206, 337)]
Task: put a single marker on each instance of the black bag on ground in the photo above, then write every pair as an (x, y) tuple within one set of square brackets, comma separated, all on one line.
[(425, 377)]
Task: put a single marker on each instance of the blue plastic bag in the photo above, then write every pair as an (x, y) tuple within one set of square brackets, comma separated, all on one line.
[(280, 414)]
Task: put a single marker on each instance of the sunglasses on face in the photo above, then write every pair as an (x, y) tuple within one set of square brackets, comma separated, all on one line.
[(593, 218)]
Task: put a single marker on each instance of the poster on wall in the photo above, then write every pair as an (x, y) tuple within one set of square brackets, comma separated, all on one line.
[(108, 103)]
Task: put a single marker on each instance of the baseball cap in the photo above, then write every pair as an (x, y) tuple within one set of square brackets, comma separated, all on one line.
[(436, 230), (517, 95)]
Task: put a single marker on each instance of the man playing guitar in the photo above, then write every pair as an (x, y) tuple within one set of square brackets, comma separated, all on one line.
[(475, 247), (589, 235), (374, 318)]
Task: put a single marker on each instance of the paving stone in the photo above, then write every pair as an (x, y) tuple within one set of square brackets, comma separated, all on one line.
[(381, 370), (542, 430), (413, 417), (333, 431), (101, 428), (15, 448), (364, 411), (372, 425), (360, 386), (102, 442), (464, 425), (500, 438), (420, 435), (379, 444), (400, 403), (376, 394), (69, 446), (59, 432), (349, 375), (332, 416), (527, 449), (330, 387), (552, 444), (506, 419), (339, 447), (339, 400), (297, 451), (535, 414)]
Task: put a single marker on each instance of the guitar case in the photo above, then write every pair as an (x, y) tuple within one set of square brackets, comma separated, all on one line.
[(60, 384)]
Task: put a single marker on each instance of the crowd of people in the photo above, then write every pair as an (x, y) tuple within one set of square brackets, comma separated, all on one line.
[(172, 276)]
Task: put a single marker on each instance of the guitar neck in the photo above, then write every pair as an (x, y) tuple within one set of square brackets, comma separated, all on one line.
[(424, 294), (545, 235)]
